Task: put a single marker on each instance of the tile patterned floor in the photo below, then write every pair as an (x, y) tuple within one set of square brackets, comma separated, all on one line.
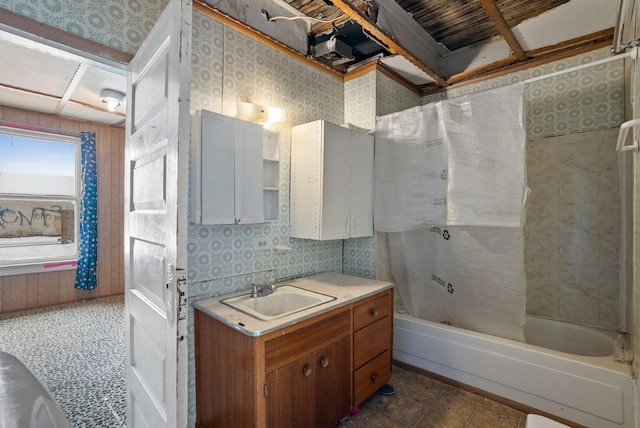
[(77, 351), (423, 402)]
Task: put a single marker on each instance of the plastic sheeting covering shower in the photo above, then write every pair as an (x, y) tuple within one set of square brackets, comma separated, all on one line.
[(450, 189)]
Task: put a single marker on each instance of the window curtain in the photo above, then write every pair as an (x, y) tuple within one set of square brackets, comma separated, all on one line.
[(88, 250)]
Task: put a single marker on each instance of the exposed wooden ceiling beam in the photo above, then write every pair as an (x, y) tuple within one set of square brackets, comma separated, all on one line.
[(587, 39), (505, 31), (542, 56), (387, 40)]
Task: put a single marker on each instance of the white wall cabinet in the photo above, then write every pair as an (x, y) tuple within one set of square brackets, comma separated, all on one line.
[(226, 170), (331, 182)]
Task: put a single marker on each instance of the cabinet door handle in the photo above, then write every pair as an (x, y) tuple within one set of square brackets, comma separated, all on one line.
[(324, 361), (374, 312), (306, 370), (374, 377)]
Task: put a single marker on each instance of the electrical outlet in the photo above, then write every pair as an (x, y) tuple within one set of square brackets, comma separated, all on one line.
[(261, 244)]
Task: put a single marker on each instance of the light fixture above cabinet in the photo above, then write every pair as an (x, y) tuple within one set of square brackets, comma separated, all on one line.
[(259, 113)]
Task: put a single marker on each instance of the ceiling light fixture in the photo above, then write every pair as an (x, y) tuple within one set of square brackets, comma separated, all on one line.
[(112, 98)]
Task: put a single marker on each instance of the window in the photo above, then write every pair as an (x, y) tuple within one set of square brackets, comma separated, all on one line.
[(39, 197)]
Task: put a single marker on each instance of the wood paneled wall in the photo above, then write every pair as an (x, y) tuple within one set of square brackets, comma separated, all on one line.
[(21, 292)]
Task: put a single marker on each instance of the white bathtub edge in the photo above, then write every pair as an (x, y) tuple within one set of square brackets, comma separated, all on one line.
[(548, 382)]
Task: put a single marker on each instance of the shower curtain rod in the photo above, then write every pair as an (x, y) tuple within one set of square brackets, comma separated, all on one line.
[(633, 54)]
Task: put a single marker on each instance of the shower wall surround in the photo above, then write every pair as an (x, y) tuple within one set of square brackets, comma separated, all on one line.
[(573, 234)]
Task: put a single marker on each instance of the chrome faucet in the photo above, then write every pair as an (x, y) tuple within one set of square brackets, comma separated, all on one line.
[(263, 289)]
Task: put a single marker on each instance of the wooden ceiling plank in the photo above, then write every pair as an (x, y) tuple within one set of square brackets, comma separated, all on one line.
[(392, 46), (505, 31), (478, 71), (327, 26)]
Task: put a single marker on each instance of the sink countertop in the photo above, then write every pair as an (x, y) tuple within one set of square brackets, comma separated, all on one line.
[(345, 288)]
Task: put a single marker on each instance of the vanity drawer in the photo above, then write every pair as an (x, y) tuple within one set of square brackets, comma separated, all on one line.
[(291, 343), (371, 341), (369, 378), (371, 311)]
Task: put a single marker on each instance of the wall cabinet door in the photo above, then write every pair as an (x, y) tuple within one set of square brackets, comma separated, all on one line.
[(312, 391), (361, 195), (331, 182), (226, 170), (335, 182)]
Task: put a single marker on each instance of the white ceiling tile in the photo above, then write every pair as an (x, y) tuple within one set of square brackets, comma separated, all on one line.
[(88, 91), (38, 71), (404, 68), (79, 111), (568, 21), (27, 101)]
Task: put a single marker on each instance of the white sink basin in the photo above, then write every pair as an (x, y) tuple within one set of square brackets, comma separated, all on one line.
[(286, 300)]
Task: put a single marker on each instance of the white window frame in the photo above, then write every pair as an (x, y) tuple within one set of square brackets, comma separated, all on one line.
[(53, 263)]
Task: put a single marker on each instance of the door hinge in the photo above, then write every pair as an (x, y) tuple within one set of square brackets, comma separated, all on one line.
[(265, 389)]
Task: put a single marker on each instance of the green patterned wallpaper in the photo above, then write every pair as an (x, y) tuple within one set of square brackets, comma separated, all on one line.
[(119, 24)]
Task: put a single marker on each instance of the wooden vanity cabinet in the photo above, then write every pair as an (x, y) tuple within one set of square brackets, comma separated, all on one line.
[(312, 391), (309, 374), (372, 345), (297, 376)]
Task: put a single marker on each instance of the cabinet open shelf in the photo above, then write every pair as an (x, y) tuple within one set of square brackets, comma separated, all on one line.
[(271, 175)]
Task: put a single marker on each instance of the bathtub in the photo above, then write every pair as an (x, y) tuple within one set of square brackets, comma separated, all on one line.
[(594, 391)]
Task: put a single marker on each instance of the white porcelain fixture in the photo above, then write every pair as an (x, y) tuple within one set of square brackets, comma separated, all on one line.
[(537, 421), (591, 391), (286, 300)]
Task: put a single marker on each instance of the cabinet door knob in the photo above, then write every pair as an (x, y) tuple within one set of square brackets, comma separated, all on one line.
[(306, 370), (374, 377), (374, 312), (324, 361)]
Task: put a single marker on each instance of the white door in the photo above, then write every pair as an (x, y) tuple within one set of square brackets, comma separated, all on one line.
[(155, 222)]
